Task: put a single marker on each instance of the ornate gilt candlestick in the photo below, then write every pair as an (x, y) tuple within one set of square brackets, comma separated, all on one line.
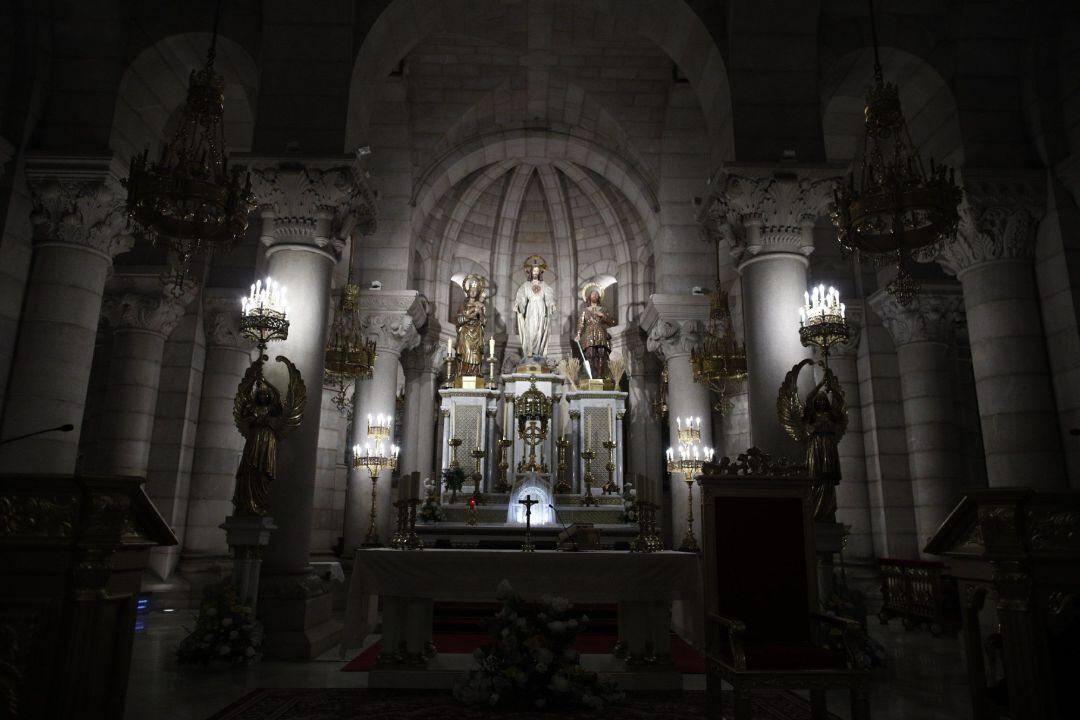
[(398, 538), (653, 539), (374, 460), (561, 446), (492, 378), (610, 487), (410, 540), (588, 455), (478, 454), (503, 483), (643, 543), (454, 444), (689, 542)]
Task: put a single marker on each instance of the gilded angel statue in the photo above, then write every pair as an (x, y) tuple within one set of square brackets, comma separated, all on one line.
[(818, 424), (263, 418)]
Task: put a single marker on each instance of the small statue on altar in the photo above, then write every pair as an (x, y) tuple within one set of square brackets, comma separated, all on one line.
[(819, 424), (592, 334), (534, 304), (471, 319), (263, 418)]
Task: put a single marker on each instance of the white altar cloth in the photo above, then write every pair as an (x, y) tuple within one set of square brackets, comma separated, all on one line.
[(643, 584)]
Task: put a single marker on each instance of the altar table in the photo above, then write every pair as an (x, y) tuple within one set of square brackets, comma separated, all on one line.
[(644, 585)]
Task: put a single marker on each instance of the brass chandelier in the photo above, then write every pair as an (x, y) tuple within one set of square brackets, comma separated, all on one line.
[(191, 198), (720, 358), (897, 208), (349, 356)]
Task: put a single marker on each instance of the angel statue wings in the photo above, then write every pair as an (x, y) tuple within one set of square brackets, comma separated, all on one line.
[(819, 423), (263, 418)]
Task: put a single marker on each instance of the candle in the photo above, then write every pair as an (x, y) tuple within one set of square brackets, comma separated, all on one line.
[(491, 347), (588, 431), (478, 418), (449, 346), (452, 409), (508, 420)]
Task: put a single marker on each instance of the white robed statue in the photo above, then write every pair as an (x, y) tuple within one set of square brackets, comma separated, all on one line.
[(535, 306)]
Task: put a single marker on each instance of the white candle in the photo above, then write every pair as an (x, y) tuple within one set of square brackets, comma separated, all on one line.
[(449, 346), (611, 422), (478, 419), (491, 347), (452, 407)]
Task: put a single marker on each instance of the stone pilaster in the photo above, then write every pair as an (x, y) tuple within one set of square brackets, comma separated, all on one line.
[(79, 224), (993, 257), (644, 451), (141, 312), (392, 318), (923, 333), (308, 208), (218, 443), (421, 365), (674, 325), (767, 215)]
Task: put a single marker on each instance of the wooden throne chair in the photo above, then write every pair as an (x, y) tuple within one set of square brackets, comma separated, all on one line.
[(763, 628)]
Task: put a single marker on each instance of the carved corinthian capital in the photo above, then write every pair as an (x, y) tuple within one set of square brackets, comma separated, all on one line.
[(144, 302), (393, 318), (221, 322), (78, 201), (319, 203), (998, 220), (674, 324), (931, 317), (764, 210)]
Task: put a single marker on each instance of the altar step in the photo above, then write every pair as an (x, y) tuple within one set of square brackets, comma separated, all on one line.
[(500, 536)]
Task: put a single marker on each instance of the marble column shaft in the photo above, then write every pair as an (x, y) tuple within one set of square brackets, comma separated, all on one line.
[(78, 229), (421, 367), (923, 333), (217, 441), (391, 318), (674, 326), (142, 313), (768, 216), (993, 257)]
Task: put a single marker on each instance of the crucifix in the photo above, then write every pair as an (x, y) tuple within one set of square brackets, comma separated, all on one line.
[(528, 502)]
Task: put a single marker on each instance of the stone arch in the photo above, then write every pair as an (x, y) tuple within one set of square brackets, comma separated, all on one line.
[(926, 98), (154, 86), (672, 25)]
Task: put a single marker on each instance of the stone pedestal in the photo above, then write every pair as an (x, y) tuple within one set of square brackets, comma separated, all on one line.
[(247, 535), (78, 229)]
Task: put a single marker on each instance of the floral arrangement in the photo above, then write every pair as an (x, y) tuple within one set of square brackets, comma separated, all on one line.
[(226, 631), (531, 661), (453, 478), (629, 513), (431, 511)]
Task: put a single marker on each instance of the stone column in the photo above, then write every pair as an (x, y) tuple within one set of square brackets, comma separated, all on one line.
[(306, 213), (421, 366), (78, 229), (768, 217), (642, 447), (852, 494), (217, 441), (392, 319), (993, 257), (922, 333), (674, 325), (142, 313)]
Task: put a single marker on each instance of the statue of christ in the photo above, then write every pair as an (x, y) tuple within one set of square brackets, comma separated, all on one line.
[(535, 306)]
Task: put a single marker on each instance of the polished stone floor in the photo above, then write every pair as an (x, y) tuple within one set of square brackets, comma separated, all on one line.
[(924, 679)]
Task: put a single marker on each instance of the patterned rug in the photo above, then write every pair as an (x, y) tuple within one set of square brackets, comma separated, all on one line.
[(342, 704)]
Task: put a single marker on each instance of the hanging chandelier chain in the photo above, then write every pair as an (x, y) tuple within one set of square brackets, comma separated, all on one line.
[(879, 76), (211, 54)]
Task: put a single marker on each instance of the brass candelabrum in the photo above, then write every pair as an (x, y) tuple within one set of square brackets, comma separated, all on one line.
[(448, 369), (478, 455), (374, 464), (405, 538), (689, 542), (503, 483), (610, 487), (648, 537), (588, 455), (454, 444), (561, 446), (492, 378)]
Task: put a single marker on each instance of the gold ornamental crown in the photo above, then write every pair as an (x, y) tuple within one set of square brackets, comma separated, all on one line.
[(473, 280), (588, 288)]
